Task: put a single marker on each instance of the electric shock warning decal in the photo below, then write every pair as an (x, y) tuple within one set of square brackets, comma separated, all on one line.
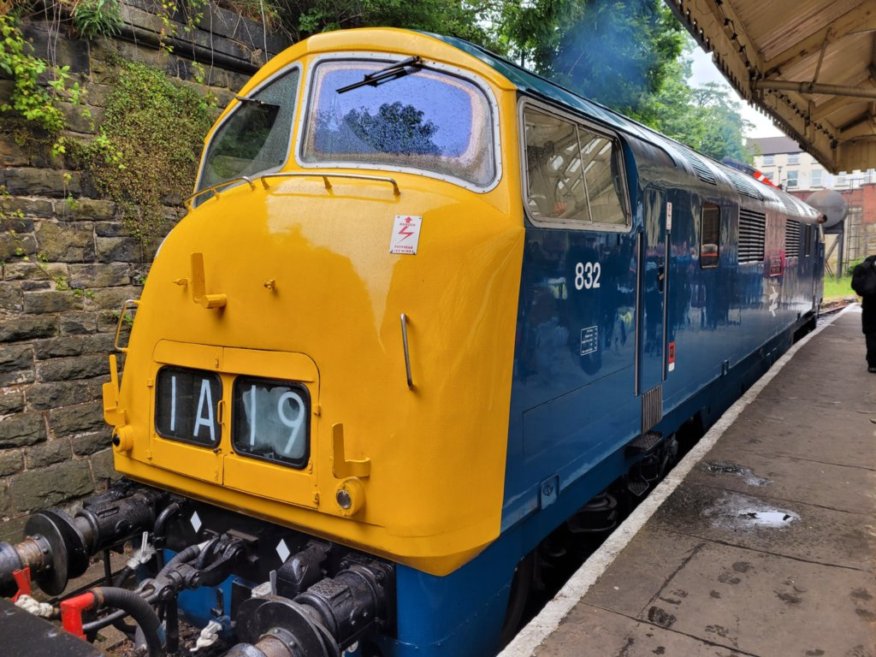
[(405, 234)]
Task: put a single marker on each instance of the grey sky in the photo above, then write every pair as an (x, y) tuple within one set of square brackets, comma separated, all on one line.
[(704, 71)]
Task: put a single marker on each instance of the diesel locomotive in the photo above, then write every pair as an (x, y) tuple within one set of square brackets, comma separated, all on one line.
[(427, 314)]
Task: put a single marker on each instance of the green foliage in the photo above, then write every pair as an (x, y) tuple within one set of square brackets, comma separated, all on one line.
[(850, 267), (837, 289), (705, 118), (614, 52), (95, 18), (302, 18), (146, 153), (173, 12), (720, 125), (266, 11), (30, 99), (628, 55)]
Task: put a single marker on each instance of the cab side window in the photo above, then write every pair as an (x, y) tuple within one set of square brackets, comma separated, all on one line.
[(710, 236), (572, 173)]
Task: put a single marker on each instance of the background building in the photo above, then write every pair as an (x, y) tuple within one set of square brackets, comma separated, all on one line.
[(787, 165)]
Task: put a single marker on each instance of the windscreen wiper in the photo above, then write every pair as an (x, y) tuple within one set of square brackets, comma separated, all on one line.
[(391, 72), (254, 101)]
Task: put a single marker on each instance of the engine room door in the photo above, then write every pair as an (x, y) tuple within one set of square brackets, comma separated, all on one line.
[(652, 294)]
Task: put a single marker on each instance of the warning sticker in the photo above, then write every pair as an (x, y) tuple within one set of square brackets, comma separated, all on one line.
[(405, 234)]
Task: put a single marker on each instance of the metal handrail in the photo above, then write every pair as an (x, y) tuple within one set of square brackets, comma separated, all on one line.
[(213, 188), (293, 174), (130, 304), (325, 178), (407, 351)]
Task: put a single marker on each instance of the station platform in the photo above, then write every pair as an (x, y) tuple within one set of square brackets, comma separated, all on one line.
[(761, 542)]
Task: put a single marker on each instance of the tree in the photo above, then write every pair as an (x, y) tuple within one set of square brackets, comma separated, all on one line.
[(705, 118), (630, 56), (722, 126), (625, 54), (616, 52), (468, 20), (395, 128)]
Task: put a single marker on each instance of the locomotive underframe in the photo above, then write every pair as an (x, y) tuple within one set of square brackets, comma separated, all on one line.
[(278, 591)]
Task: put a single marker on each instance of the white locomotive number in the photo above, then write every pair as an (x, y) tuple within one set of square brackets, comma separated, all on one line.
[(270, 419), (289, 412), (587, 275)]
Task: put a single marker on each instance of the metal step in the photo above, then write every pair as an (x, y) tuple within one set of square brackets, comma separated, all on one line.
[(644, 444), (638, 487)]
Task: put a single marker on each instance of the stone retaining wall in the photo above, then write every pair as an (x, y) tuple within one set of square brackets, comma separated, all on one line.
[(67, 263)]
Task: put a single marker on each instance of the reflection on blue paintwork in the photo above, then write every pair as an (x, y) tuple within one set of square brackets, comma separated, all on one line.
[(574, 355), (574, 398)]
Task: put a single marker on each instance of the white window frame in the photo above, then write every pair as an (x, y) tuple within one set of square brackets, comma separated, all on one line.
[(239, 103), (392, 58), (572, 224)]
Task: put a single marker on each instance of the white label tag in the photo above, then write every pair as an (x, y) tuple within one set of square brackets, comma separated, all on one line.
[(405, 234), (589, 340), (668, 215)]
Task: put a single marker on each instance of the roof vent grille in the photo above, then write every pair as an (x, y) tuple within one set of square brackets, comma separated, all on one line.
[(743, 186), (703, 172)]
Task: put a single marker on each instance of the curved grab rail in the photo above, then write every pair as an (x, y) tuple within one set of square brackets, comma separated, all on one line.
[(291, 174), (215, 188), (130, 304), (325, 178)]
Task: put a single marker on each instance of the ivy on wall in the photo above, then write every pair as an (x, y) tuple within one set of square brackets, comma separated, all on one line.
[(31, 100), (147, 148), (144, 154)]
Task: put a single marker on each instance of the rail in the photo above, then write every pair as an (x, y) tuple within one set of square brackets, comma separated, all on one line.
[(263, 178), (130, 304), (325, 178)]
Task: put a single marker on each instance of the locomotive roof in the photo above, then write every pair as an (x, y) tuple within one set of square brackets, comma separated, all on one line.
[(702, 167)]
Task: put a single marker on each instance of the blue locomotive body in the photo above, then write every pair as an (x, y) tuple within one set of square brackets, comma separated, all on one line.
[(670, 332)]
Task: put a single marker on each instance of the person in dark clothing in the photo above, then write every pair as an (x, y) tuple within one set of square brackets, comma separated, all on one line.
[(864, 284)]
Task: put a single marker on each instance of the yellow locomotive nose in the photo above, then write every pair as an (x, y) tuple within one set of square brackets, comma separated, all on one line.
[(330, 353)]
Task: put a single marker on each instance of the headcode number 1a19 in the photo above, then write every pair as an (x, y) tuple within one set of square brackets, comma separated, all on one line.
[(587, 275)]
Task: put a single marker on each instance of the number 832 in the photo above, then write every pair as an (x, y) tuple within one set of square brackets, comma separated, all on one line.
[(587, 275)]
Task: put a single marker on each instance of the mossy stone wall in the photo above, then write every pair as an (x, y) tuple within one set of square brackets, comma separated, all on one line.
[(69, 259)]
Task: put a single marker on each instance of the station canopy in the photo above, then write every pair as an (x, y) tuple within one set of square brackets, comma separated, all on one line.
[(809, 64)]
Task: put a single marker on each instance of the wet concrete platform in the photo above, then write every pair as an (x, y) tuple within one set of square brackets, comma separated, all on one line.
[(763, 545)]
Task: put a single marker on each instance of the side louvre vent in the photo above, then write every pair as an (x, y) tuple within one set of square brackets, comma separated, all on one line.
[(752, 234), (792, 238), (652, 408)]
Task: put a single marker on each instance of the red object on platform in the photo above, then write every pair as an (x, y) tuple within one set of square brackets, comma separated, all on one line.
[(71, 612)]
